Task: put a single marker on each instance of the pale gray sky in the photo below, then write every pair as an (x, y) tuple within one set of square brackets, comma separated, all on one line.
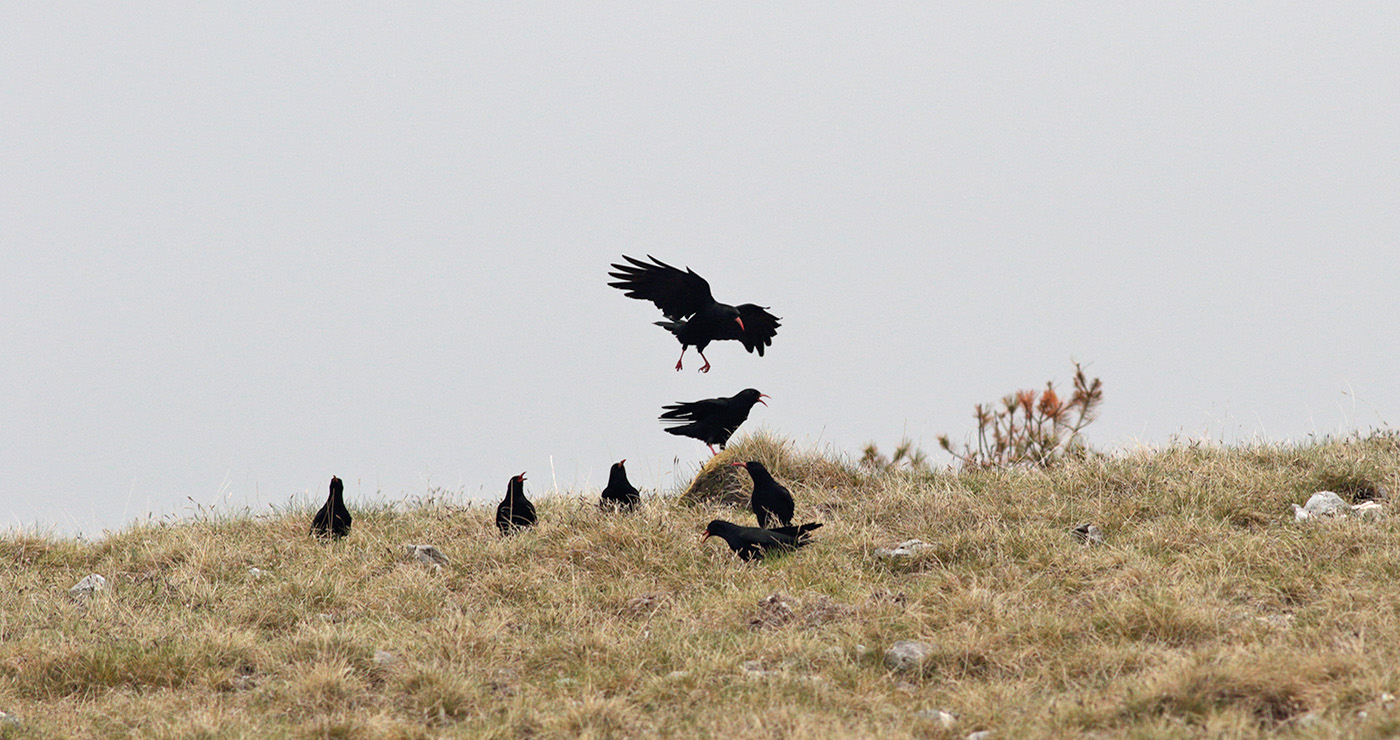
[(244, 248)]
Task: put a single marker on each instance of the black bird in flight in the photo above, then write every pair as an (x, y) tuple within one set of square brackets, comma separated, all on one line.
[(712, 420), (515, 511), (333, 520), (752, 543), (620, 493), (770, 501), (692, 313)]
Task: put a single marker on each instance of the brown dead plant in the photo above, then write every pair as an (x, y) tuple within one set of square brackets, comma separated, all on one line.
[(1032, 428)]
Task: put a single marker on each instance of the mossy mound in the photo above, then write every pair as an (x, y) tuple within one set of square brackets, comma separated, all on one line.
[(720, 482)]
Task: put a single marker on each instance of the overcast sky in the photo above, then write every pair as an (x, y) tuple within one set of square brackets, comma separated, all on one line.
[(246, 246)]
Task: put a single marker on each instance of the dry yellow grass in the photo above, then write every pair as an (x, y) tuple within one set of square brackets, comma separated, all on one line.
[(1208, 612)]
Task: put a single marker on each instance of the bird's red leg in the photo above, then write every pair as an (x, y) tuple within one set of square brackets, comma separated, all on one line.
[(706, 368), (712, 449), (678, 362)]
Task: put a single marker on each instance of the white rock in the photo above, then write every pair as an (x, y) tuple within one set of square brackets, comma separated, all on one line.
[(427, 555), (980, 735), (676, 675), (1321, 504), (385, 658), (907, 655), (939, 717), (1387, 698), (257, 572), (90, 586), (902, 550)]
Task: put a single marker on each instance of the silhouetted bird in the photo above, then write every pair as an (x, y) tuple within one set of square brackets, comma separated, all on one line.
[(333, 520), (771, 502), (515, 511), (752, 543), (692, 314), (712, 420), (620, 493)]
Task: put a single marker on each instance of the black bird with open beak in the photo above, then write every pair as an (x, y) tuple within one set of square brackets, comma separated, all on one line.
[(620, 493), (753, 543), (713, 420), (333, 519), (692, 314), (516, 511), (770, 501)]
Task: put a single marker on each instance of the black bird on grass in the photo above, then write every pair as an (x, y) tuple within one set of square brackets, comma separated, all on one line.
[(770, 501), (515, 511), (712, 420), (620, 493), (333, 520), (752, 543), (692, 313)]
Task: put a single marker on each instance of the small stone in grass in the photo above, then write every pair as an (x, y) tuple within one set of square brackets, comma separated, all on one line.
[(89, 586), (427, 555), (908, 655), (1089, 534), (903, 550)]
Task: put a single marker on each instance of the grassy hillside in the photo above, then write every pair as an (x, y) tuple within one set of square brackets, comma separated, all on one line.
[(1208, 612)]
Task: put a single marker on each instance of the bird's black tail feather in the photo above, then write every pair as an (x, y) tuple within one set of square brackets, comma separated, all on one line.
[(672, 326)]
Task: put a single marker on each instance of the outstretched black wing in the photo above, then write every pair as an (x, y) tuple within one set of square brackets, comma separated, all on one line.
[(759, 328), (679, 294)]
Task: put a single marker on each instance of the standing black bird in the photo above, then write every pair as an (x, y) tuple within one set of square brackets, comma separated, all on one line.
[(771, 502), (515, 511), (333, 520), (620, 493), (712, 420), (692, 313), (752, 543)]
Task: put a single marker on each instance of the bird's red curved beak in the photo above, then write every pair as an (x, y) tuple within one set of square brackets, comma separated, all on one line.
[(705, 536), (762, 396), (741, 323), (522, 475), (623, 461), (737, 465)]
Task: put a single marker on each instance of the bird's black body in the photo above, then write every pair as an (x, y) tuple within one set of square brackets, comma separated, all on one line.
[(333, 519), (771, 502), (692, 313), (752, 543), (620, 493), (515, 511), (712, 420)]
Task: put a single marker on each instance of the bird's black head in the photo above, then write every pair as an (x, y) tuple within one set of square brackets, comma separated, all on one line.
[(336, 485), (617, 473), (732, 313), (751, 396), (754, 467), (516, 486), (717, 528)]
